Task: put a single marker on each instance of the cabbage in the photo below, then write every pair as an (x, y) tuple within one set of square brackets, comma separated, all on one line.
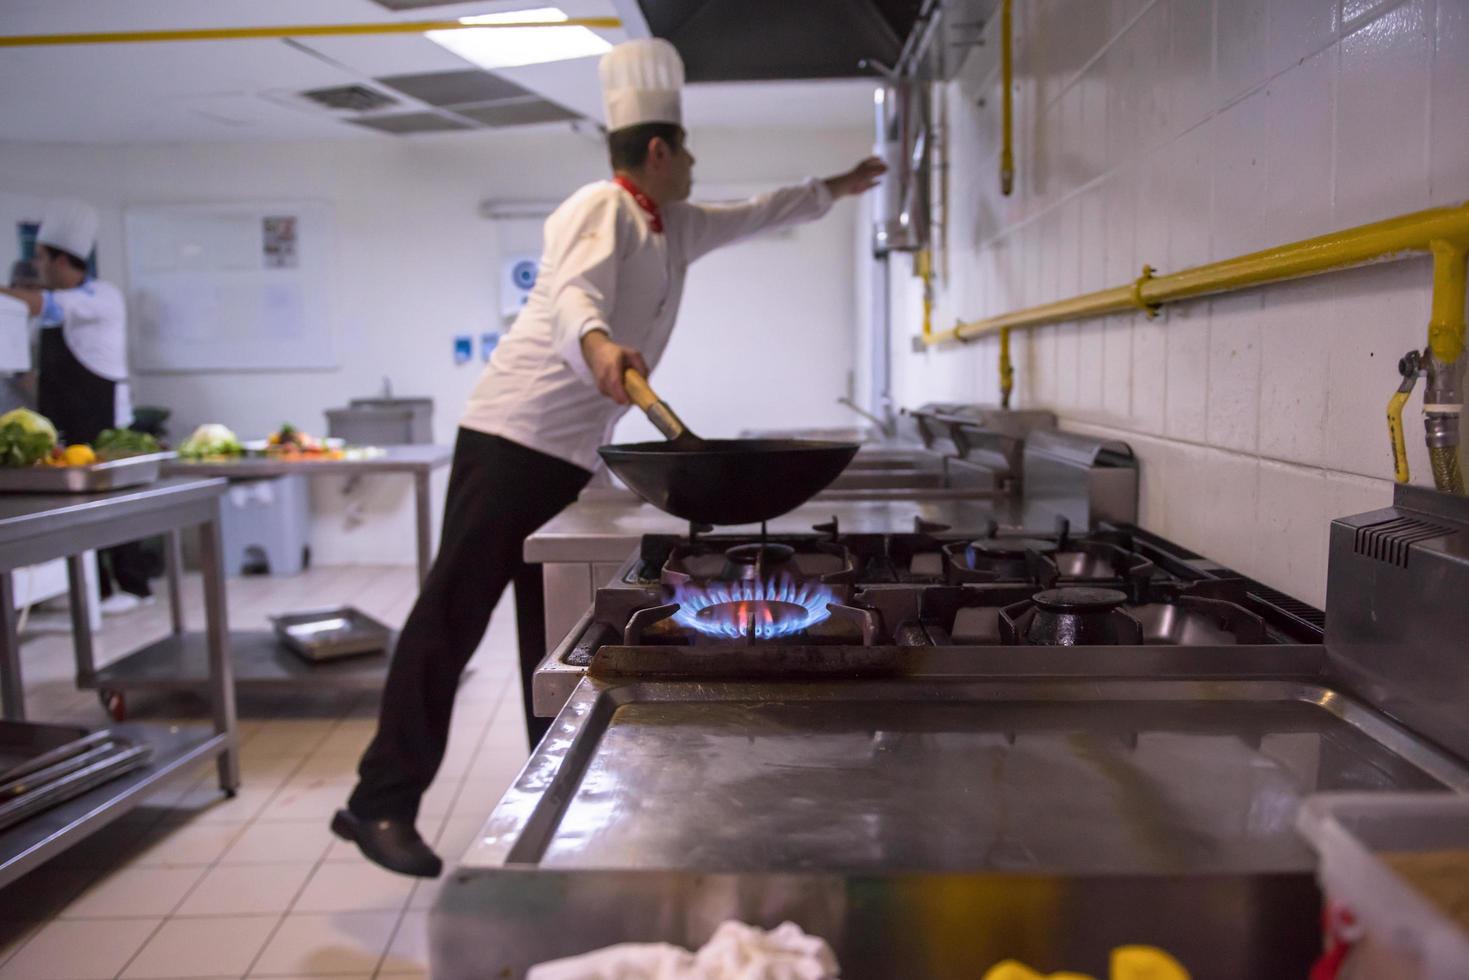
[(211, 439), (26, 438), (30, 421)]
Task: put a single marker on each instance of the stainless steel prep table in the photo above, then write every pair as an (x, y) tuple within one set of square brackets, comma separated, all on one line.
[(929, 810), (37, 528), (417, 461), (583, 546)]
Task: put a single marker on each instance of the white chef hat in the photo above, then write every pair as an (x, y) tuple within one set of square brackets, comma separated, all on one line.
[(642, 82), (69, 225)]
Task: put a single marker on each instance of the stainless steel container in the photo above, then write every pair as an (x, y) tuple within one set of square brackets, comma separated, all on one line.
[(113, 474)]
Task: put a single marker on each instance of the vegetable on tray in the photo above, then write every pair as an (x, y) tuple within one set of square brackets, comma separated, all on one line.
[(211, 441), (26, 438), (117, 443)]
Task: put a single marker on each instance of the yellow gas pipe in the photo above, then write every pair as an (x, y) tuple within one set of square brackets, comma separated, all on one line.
[(291, 30), (1007, 369), (923, 260), (1443, 232), (1007, 108), (1381, 240)]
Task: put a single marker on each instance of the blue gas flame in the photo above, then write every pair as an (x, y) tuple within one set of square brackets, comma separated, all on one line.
[(766, 609)]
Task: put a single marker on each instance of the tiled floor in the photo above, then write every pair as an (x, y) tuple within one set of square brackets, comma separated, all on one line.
[(194, 885)]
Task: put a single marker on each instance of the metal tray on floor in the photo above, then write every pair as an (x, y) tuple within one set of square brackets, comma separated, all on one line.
[(330, 634), (112, 474)]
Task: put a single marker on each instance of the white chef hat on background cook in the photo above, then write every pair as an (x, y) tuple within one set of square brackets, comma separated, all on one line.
[(70, 225), (642, 82)]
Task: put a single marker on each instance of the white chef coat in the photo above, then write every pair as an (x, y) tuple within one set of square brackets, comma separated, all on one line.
[(93, 320), (604, 268)]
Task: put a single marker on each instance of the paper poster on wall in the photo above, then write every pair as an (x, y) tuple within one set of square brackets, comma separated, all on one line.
[(280, 241), (228, 287)]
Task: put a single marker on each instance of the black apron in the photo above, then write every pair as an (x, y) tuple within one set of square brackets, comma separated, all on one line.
[(81, 404), (78, 402)]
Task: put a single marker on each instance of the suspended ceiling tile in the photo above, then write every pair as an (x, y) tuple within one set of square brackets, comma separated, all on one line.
[(443, 88), (517, 113), (408, 123)]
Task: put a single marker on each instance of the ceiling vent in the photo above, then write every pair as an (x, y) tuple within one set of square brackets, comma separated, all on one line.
[(443, 88), (408, 123), (350, 98), (418, 4)]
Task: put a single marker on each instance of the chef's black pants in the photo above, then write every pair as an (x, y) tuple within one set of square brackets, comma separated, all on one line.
[(499, 492), (81, 404)]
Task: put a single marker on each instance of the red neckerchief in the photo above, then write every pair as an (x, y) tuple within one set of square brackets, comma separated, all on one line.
[(655, 217)]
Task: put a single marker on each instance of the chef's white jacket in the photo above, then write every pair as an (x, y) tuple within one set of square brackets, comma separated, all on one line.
[(604, 268), (93, 319)]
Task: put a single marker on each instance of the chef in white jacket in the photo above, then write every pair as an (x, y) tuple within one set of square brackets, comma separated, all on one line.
[(82, 361), (606, 298)]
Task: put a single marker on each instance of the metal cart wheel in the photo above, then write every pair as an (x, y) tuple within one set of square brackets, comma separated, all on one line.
[(114, 703)]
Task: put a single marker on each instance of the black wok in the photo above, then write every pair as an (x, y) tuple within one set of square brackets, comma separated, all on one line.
[(721, 481)]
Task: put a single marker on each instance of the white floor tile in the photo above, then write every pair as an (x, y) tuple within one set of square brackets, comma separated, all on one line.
[(356, 886), (307, 802), (270, 842), (174, 844), (217, 947), (135, 892), (246, 889), (324, 945), (66, 950), (408, 952)]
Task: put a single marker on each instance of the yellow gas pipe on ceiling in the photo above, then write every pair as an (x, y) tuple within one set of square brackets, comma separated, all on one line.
[(1443, 232), (291, 30)]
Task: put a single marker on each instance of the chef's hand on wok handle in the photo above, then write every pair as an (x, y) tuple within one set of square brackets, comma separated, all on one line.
[(609, 361), (862, 177)]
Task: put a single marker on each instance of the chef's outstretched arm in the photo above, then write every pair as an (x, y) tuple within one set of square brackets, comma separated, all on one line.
[(34, 299), (710, 226)]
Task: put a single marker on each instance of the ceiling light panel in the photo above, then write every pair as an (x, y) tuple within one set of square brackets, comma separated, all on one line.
[(509, 47)]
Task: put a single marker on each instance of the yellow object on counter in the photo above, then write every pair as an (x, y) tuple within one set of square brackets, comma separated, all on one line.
[(1145, 963), (1011, 970), (1128, 963), (81, 455)]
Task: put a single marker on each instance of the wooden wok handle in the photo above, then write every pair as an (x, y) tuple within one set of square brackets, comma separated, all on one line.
[(655, 408), (639, 390)]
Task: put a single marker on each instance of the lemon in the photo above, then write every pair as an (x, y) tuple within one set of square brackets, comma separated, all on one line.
[(81, 455)]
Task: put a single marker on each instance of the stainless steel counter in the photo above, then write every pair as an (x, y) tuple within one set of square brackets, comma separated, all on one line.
[(606, 525), (416, 461), (1047, 804)]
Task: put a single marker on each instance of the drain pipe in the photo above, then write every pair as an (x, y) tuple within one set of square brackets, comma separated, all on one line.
[(1007, 107), (1443, 399)]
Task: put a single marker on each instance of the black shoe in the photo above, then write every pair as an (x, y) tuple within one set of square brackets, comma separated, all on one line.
[(391, 844)]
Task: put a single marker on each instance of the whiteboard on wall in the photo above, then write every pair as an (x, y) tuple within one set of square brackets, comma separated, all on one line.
[(230, 287)]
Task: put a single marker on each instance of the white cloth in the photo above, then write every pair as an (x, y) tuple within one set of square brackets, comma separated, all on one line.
[(735, 952), (94, 321), (604, 268), (69, 225), (642, 82)]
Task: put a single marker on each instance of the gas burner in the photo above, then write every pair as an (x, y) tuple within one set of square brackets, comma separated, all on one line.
[(732, 559), (1048, 562), (1070, 617), (756, 561), (748, 608)]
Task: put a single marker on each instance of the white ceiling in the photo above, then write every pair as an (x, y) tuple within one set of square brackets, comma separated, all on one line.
[(245, 90)]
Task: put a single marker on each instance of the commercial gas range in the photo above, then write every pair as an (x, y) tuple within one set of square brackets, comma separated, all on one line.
[(928, 587), (939, 750)]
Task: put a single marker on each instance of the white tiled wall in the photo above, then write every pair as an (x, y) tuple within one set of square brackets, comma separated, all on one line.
[(1173, 133)]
